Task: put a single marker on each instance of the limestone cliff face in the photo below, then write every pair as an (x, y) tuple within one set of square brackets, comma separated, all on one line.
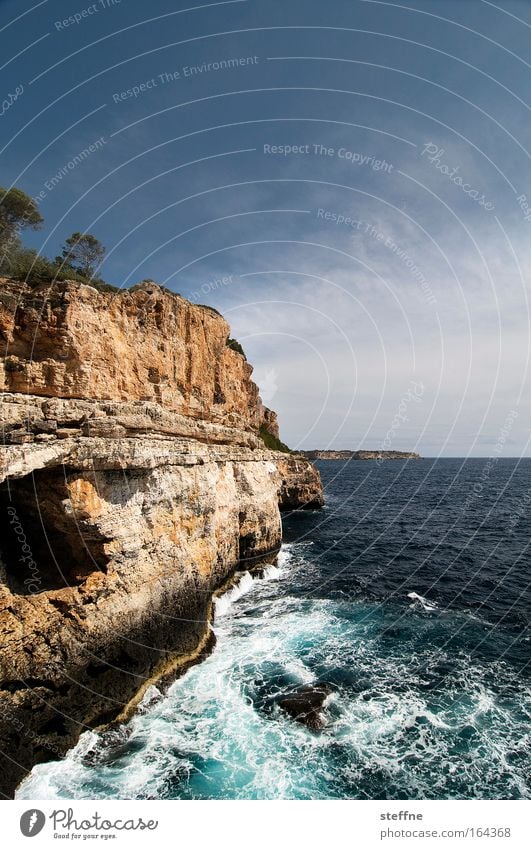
[(301, 484), (134, 484), (71, 341)]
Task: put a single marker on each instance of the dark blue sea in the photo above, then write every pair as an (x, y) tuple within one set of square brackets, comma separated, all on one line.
[(409, 595)]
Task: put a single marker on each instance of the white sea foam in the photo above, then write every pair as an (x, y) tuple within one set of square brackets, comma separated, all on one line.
[(271, 573), (219, 734), (427, 605), (150, 697), (223, 602)]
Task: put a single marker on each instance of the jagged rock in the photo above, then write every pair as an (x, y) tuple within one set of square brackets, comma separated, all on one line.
[(301, 484), (44, 426), (18, 437), (67, 432), (270, 422), (103, 427), (304, 704)]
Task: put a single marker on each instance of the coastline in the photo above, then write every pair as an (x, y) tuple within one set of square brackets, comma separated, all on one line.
[(364, 454), (151, 500), (168, 670)]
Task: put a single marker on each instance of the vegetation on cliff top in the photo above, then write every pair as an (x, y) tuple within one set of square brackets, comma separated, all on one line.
[(234, 345), (82, 253), (17, 211), (273, 442)]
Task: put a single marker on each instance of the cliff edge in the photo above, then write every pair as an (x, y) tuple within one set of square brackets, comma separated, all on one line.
[(133, 483)]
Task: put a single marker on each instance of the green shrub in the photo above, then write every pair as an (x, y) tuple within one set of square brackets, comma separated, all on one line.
[(234, 345), (26, 264), (100, 285), (272, 442), (208, 307), (81, 254)]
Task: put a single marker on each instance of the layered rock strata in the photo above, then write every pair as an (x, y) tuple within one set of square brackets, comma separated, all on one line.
[(133, 483)]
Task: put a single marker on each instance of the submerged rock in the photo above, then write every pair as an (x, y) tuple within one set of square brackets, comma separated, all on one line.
[(304, 704)]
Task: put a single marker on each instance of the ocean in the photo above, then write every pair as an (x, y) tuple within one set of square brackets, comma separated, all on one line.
[(409, 596)]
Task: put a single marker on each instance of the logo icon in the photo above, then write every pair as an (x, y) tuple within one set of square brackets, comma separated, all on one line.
[(32, 822), (267, 381)]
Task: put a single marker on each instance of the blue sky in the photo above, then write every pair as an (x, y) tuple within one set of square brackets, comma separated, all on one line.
[(346, 181)]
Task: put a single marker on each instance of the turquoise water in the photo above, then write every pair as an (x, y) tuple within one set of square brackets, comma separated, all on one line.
[(409, 600)]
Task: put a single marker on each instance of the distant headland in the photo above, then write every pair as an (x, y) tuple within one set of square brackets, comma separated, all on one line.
[(318, 454)]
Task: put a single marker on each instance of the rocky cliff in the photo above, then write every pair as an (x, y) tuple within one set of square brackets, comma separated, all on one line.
[(134, 484), (70, 341)]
